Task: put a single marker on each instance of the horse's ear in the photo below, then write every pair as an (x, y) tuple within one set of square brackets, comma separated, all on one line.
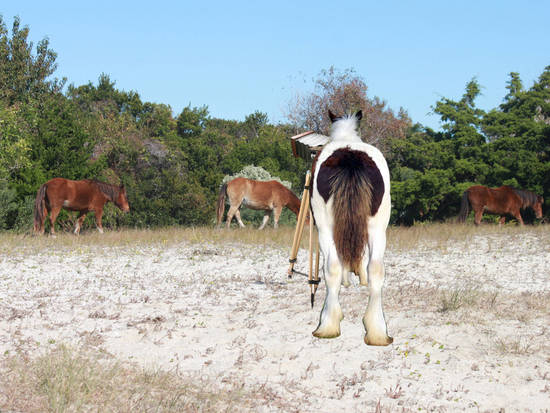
[(359, 115), (332, 116)]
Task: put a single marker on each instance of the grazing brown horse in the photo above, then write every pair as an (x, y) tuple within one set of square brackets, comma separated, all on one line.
[(263, 195), (501, 201), (82, 196)]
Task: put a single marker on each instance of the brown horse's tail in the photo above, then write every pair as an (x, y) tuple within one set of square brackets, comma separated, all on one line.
[(464, 207), (221, 203), (352, 203), (39, 206)]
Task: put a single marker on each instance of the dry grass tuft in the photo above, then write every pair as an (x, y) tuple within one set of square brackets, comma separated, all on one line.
[(457, 298), (517, 346), (64, 381)]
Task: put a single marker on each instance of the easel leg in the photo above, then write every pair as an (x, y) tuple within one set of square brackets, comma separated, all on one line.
[(302, 214)]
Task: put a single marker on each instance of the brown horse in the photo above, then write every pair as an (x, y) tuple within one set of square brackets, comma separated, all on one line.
[(501, 201), (82, 196), (263, 195)]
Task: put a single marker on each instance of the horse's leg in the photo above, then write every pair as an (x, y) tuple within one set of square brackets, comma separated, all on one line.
[(331, 314), (98, 215), (362, 270), (373, 320), (54, 212), (478, 215), (518, 216), (502, 220), (43, 222), (230, 214), (345, 279), (266, 219), (276, 215), (79, 221), (239, 220)]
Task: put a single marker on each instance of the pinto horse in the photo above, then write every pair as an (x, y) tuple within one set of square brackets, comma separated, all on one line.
[(263, 195), (82, 196), (501, 201), (351, 206)]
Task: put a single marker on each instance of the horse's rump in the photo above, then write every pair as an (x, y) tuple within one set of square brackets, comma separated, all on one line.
[(356, 186)]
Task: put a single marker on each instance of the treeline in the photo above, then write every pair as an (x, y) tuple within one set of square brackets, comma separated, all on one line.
[(173, 165), (508, 145)]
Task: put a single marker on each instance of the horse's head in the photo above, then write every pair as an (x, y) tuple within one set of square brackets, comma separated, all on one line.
[(122, 201), (333, 118), (537, 206), (345, 128)]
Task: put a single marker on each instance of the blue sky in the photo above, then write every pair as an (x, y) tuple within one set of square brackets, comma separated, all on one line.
[(237, 57)]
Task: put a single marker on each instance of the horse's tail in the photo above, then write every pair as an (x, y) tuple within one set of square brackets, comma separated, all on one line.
[(464, 207), (39, 205), (352, 204), (221, 203)]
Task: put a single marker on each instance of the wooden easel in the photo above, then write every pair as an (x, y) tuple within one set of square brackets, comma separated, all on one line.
[(313, 279)]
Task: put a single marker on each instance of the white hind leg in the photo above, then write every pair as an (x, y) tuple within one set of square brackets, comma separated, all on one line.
[(239, 220), (331, 314), (373, 320), (265, 220), (345, 279)]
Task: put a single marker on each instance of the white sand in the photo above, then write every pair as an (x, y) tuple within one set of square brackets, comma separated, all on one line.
[(229, 312)]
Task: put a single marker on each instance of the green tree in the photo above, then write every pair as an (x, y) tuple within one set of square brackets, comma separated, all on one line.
[(24, 75), (192, 121)]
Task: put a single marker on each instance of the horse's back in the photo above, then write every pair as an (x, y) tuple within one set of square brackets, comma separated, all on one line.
[(71, 194), (260, 192), (497, 200)]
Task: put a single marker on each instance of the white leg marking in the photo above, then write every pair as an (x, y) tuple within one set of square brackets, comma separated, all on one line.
[(238, 216), (331, 314), (373, 320), (264, 221)]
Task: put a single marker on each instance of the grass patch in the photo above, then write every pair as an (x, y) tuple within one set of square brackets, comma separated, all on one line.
[(515, 346), (457, 298), (66, 381), (438, 235), (281, 237)]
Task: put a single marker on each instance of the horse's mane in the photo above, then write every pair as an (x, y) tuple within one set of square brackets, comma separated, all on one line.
[(109, 190), (528, 198), (345, 129)]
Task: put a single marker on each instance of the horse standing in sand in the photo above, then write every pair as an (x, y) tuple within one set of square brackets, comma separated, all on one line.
[(351, 205), (501, 201), (262, 195), (82, 196)]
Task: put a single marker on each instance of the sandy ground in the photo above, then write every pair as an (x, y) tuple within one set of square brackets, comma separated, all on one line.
[(470, 320)]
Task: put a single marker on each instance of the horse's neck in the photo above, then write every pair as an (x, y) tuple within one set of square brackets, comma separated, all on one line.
[(293, 202), (109, 191)]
